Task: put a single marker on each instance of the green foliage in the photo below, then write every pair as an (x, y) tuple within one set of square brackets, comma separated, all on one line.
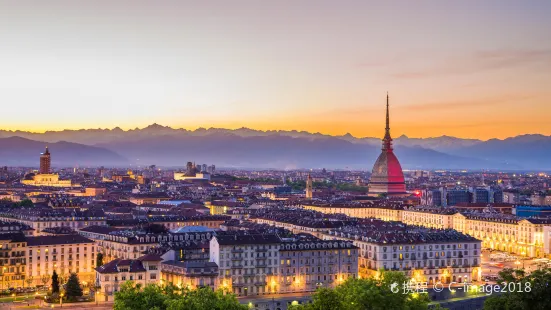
[(348, 187), (55, 283), (534, 292), (204, 298), (367, 294), (99, 259), (133, 296), (155, 228), (25, 203), (73, 288), (267, 181)]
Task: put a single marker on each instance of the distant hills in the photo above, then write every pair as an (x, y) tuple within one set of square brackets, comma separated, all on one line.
[(250, 148), (17, 151)]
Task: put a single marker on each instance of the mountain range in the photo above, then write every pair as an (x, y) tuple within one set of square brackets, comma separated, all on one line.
[(248, 148)]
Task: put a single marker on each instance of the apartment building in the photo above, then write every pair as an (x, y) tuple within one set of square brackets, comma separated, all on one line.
[(144, 270), (190, 274), (509, 233), (12, 260), (384, 210), (175, 222), (247, 263), (64, 254), (132, 243), (308, 265), (425, 255), (49, 218)]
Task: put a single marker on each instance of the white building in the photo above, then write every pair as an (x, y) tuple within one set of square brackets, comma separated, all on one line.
[(144, 270), (247, 263), (65, 254)]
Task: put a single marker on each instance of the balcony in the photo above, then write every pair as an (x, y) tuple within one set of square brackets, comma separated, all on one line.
[(237, 251), (261, 250), (261, 283)]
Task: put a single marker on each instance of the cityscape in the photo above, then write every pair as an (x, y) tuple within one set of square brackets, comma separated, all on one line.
[(306, 193)]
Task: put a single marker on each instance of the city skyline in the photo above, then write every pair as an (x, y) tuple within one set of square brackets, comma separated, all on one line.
[(463, 69), (275, 155)]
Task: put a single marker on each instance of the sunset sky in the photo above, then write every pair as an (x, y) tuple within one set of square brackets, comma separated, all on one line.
[(478, 69)]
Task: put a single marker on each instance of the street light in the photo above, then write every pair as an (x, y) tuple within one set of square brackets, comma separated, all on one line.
[(61, 300)]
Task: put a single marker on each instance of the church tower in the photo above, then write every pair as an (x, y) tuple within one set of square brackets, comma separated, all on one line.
[(45, 162), (309, 193)]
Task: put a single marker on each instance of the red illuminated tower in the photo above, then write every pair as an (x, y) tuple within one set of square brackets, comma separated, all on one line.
[(387, 177), (45, 161)]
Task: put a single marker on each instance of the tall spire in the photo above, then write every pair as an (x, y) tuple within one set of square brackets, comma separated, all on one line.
[(387, 140), (387, 116)]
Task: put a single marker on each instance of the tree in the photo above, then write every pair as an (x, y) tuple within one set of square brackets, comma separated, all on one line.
[(73, 288), (133, 296), (531, 291), (99, 259), (55, 283), (155, 228), (62, 278), (45, 279), (326, 297), (29, 280), (368, 294), (204, 298), (26, 203)]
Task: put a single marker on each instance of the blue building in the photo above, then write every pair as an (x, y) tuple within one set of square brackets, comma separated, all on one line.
[(283, 190), (532, 211), (481, 195), (455, 196), (498, 196)]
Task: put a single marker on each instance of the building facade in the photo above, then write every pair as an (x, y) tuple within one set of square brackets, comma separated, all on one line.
[(63, 254)]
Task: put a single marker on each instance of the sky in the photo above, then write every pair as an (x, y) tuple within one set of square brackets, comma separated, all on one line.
[(471, 69)]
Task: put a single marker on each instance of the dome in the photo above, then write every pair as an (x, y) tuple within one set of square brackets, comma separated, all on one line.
[(29, 176), (387, 176)]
